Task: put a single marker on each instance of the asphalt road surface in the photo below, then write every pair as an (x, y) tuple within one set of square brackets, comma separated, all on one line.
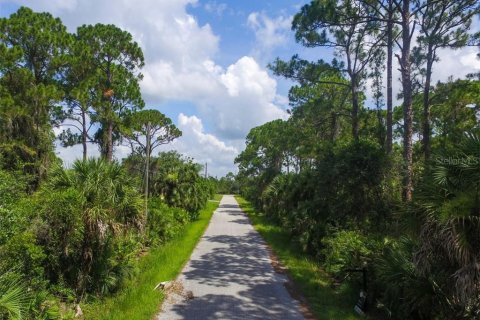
[(230, 275)]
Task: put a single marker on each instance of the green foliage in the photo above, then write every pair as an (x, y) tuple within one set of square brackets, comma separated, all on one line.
[(69, 234), (446, 209), (116, 59), (165, 222), (346, 250), (14, 297), (99, 201), (349, 183), (151, 125), (33, 46), (12, 189), (23, 253), (396, 267), (177, 181), (138, 300), (228, 184)]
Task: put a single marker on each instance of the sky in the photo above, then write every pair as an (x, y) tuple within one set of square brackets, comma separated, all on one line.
[(206, 65)]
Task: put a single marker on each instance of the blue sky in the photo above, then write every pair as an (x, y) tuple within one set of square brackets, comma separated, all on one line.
[(206, 65)]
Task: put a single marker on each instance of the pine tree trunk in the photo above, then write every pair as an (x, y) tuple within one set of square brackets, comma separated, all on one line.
[(426, 107), (389, 141), (355, 108), (407, 104), (109, 142), (147, 170), (84, 135)]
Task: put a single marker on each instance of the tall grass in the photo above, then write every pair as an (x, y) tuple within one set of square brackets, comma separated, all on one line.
[(138, 300)]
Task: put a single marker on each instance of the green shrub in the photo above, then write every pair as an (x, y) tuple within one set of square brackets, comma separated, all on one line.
[(114, 264), (164, 222), (347, 249), (22, 253), (176, 180), (397, 280), (12, 188)]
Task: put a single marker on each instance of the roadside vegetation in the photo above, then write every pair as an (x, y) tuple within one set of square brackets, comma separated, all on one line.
[(138, 299), (325, 300), (392, 191), (98, 233), (343, 183)]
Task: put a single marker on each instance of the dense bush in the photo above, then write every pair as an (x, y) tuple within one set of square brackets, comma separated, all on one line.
[(82, 232), (165, 222), (349, 184), (176, 180), (444, 223), (342, 205), (74, 236), (346, 249), (69, 234), (228, 184)]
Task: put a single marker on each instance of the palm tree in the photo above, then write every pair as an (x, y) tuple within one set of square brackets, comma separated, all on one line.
[(110, 203), (448, 206)]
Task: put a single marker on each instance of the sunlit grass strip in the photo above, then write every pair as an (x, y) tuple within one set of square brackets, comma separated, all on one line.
[(309, 277), (139, 300)]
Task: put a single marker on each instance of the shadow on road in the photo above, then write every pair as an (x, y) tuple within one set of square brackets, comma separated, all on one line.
[(238, 261)]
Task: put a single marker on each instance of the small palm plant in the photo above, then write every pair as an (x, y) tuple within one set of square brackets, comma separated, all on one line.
[(110, 205), (14, 297), (448, 206)]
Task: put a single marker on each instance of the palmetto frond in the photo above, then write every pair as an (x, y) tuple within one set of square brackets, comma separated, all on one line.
[(449, 209), (14, 299)]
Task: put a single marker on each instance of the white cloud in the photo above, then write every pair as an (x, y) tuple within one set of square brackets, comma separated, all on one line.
[(180, 62), (456, 63), (452, 63), (214, 7), (250, 98), (235, 99), (269, 32), (204, 147)]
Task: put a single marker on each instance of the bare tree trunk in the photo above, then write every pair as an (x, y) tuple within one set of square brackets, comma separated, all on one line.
[(389, 141), (109, 137), (426, 106), (381, 137), (109, 142), (355, 108), (333, 124), (147, 169), (407, 104), (84, 135)]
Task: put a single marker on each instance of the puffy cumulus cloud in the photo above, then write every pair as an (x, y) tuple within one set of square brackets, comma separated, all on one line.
[(204, 147), (248, 100), (269, 32), (235, 99), (180, 62), (456, 63), (174, 44)]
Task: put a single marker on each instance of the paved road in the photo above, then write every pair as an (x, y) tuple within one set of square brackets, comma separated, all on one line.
[(230, 275)]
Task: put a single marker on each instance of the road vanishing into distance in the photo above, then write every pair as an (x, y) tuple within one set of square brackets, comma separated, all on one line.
[(230, 275)]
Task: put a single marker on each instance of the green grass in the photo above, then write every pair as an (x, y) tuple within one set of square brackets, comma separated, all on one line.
[(139, 300), (313, 282)]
